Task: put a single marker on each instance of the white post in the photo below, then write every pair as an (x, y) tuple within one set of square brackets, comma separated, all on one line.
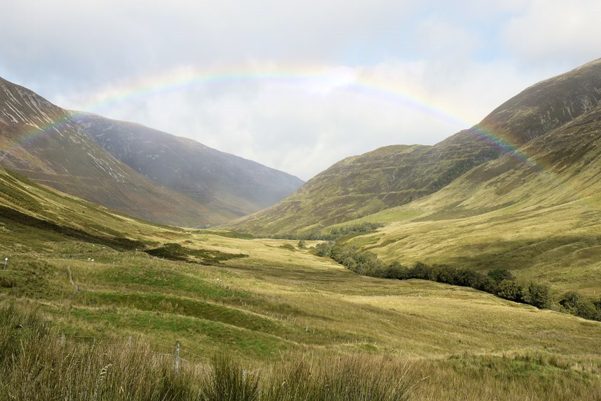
[(5, 263)]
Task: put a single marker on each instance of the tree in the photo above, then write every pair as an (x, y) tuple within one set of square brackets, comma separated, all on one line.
[(537, 295), (510, 290), (324, 249), (580, 306), (499, 274), (421, 271), (394, 270)]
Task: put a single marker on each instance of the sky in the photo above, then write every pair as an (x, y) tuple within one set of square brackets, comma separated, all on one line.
[(300, 84)]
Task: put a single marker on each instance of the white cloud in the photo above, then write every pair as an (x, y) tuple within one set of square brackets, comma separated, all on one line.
[(302, 122), (295, 84), (556, 32)]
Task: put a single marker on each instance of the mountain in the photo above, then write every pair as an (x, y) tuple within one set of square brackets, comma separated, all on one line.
[(536, 212), (218, 180), (45, 143), (397, 175)]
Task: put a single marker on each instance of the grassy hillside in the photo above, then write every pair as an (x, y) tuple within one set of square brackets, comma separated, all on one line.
[(397, 175), (42, 142), (222, 182), (539, 217), (90, 272)]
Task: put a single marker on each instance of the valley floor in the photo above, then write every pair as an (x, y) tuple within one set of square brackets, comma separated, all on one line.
[(282, 300)]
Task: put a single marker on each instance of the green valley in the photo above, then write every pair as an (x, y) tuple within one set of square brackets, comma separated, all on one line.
[(85, 270), (389, 276)]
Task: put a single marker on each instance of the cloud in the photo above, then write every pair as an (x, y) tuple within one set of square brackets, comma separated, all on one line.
[(296, 85), (102, 39), (555, 32), (301, 122)]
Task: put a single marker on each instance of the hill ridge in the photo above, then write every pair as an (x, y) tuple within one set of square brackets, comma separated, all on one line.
[(408, 176), (45, 143), (209, 176)]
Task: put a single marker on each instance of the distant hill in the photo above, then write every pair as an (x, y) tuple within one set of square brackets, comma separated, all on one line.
[(396, 175), (43, 142), (218, 180)]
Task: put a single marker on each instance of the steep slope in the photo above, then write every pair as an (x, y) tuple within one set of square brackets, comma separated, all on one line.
[(536, 212), (397, 175), (37, 213), (43, 142), (213, 178)]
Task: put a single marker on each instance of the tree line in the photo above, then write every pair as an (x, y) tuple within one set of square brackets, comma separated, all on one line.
[(499, 281)]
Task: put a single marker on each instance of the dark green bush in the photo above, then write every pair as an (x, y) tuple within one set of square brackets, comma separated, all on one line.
[(324, 249), (170, 251), (510, 290), (499, 274), (578, 305), (537, 295)]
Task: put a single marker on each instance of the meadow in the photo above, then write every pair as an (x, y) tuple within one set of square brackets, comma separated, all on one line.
[(114, 291), (280, 303)]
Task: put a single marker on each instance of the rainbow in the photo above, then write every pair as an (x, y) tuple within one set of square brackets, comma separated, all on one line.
[(312, 77)]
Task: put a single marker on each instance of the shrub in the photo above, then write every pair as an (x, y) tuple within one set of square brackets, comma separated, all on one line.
[(576, 304), (498, 281), (597, 305), (365, 263), (393, 271), (170, 251), (324, 249), (537, 295), (500, 274), (347, 231), (421, 271), (510, 290)]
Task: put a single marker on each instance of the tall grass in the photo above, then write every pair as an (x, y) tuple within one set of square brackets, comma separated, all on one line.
[(339, 379), (35, 365), (228, 382), (39, 365)]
